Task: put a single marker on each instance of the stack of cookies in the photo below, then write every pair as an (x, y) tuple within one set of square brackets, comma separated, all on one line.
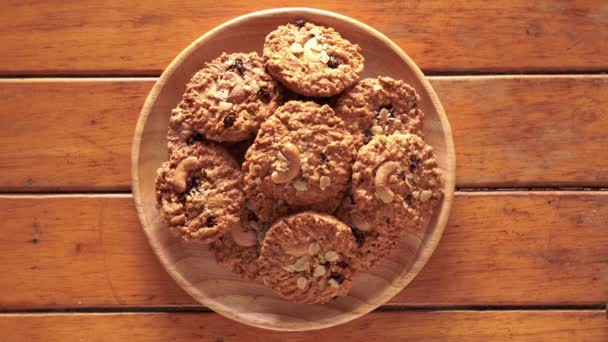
[(294, 172)]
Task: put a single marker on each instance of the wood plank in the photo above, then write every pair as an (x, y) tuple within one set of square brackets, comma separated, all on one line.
[(68, 134), (40, 37), (390, 326), (528, 131), (508, 130), (499, 248)]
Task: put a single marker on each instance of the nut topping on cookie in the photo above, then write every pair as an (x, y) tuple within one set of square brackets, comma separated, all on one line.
[(289, 164)]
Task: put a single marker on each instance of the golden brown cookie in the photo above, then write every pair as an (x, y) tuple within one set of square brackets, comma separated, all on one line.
[(396, 184), (302, 157), (312, 60), (198, 192), (227, 99), (380, 105), (308, 258)]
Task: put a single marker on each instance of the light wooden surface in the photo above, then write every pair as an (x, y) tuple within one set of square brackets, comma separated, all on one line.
[(455, 326), (470, 36), (509, 131), (499, 248), (527, 255), (195, 269)]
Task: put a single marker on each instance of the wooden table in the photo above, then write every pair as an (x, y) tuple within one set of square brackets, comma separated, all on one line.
[(524, 256)]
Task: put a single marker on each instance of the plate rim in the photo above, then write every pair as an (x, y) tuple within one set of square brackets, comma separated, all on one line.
[(431, 239)]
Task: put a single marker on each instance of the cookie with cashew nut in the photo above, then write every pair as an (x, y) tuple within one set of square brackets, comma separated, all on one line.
[(396, 184), (199, 192), (240, 248), (308, 258), (227, 99), (372, 245), (300, 159), (312, 60), (379, 106)]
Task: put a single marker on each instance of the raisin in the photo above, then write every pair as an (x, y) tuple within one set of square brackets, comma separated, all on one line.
[(229, 120), (238, 66), (334, 62), (251, 216), (300, 23), (414, 162), (264, 94), (192, 183), (368, 136), (210, 221), (359, 236), (342, 264), (338, 277), (323, 158), (402, 175), (196, 137), (409, 199)]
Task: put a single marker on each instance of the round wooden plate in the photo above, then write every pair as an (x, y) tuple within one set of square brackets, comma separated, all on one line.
[(194, 268)]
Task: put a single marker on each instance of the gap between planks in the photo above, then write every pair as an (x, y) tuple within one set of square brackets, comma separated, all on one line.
[(384, 308), (128, 193), (154, 77)]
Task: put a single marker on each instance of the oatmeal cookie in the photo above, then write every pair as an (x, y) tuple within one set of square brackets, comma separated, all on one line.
[(308, 258), (396, 183), (380, 105), (301, 157), (312, 60), (227, 99), (198, 192)]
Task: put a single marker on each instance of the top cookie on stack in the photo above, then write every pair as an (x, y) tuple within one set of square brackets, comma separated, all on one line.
[(312, 60)]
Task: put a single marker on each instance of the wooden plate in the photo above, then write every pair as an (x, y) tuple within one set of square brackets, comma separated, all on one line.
[(194, 268)]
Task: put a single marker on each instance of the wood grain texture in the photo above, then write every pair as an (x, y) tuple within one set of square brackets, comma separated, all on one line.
[(447, 326), (508, 131), (459, 36), (499, 248), (68, 135), (516, 131)]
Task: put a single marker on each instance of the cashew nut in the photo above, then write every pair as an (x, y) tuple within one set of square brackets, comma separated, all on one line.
[(384, 193), (292, 154), (244, 238), (180, 177), (312, 49)]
